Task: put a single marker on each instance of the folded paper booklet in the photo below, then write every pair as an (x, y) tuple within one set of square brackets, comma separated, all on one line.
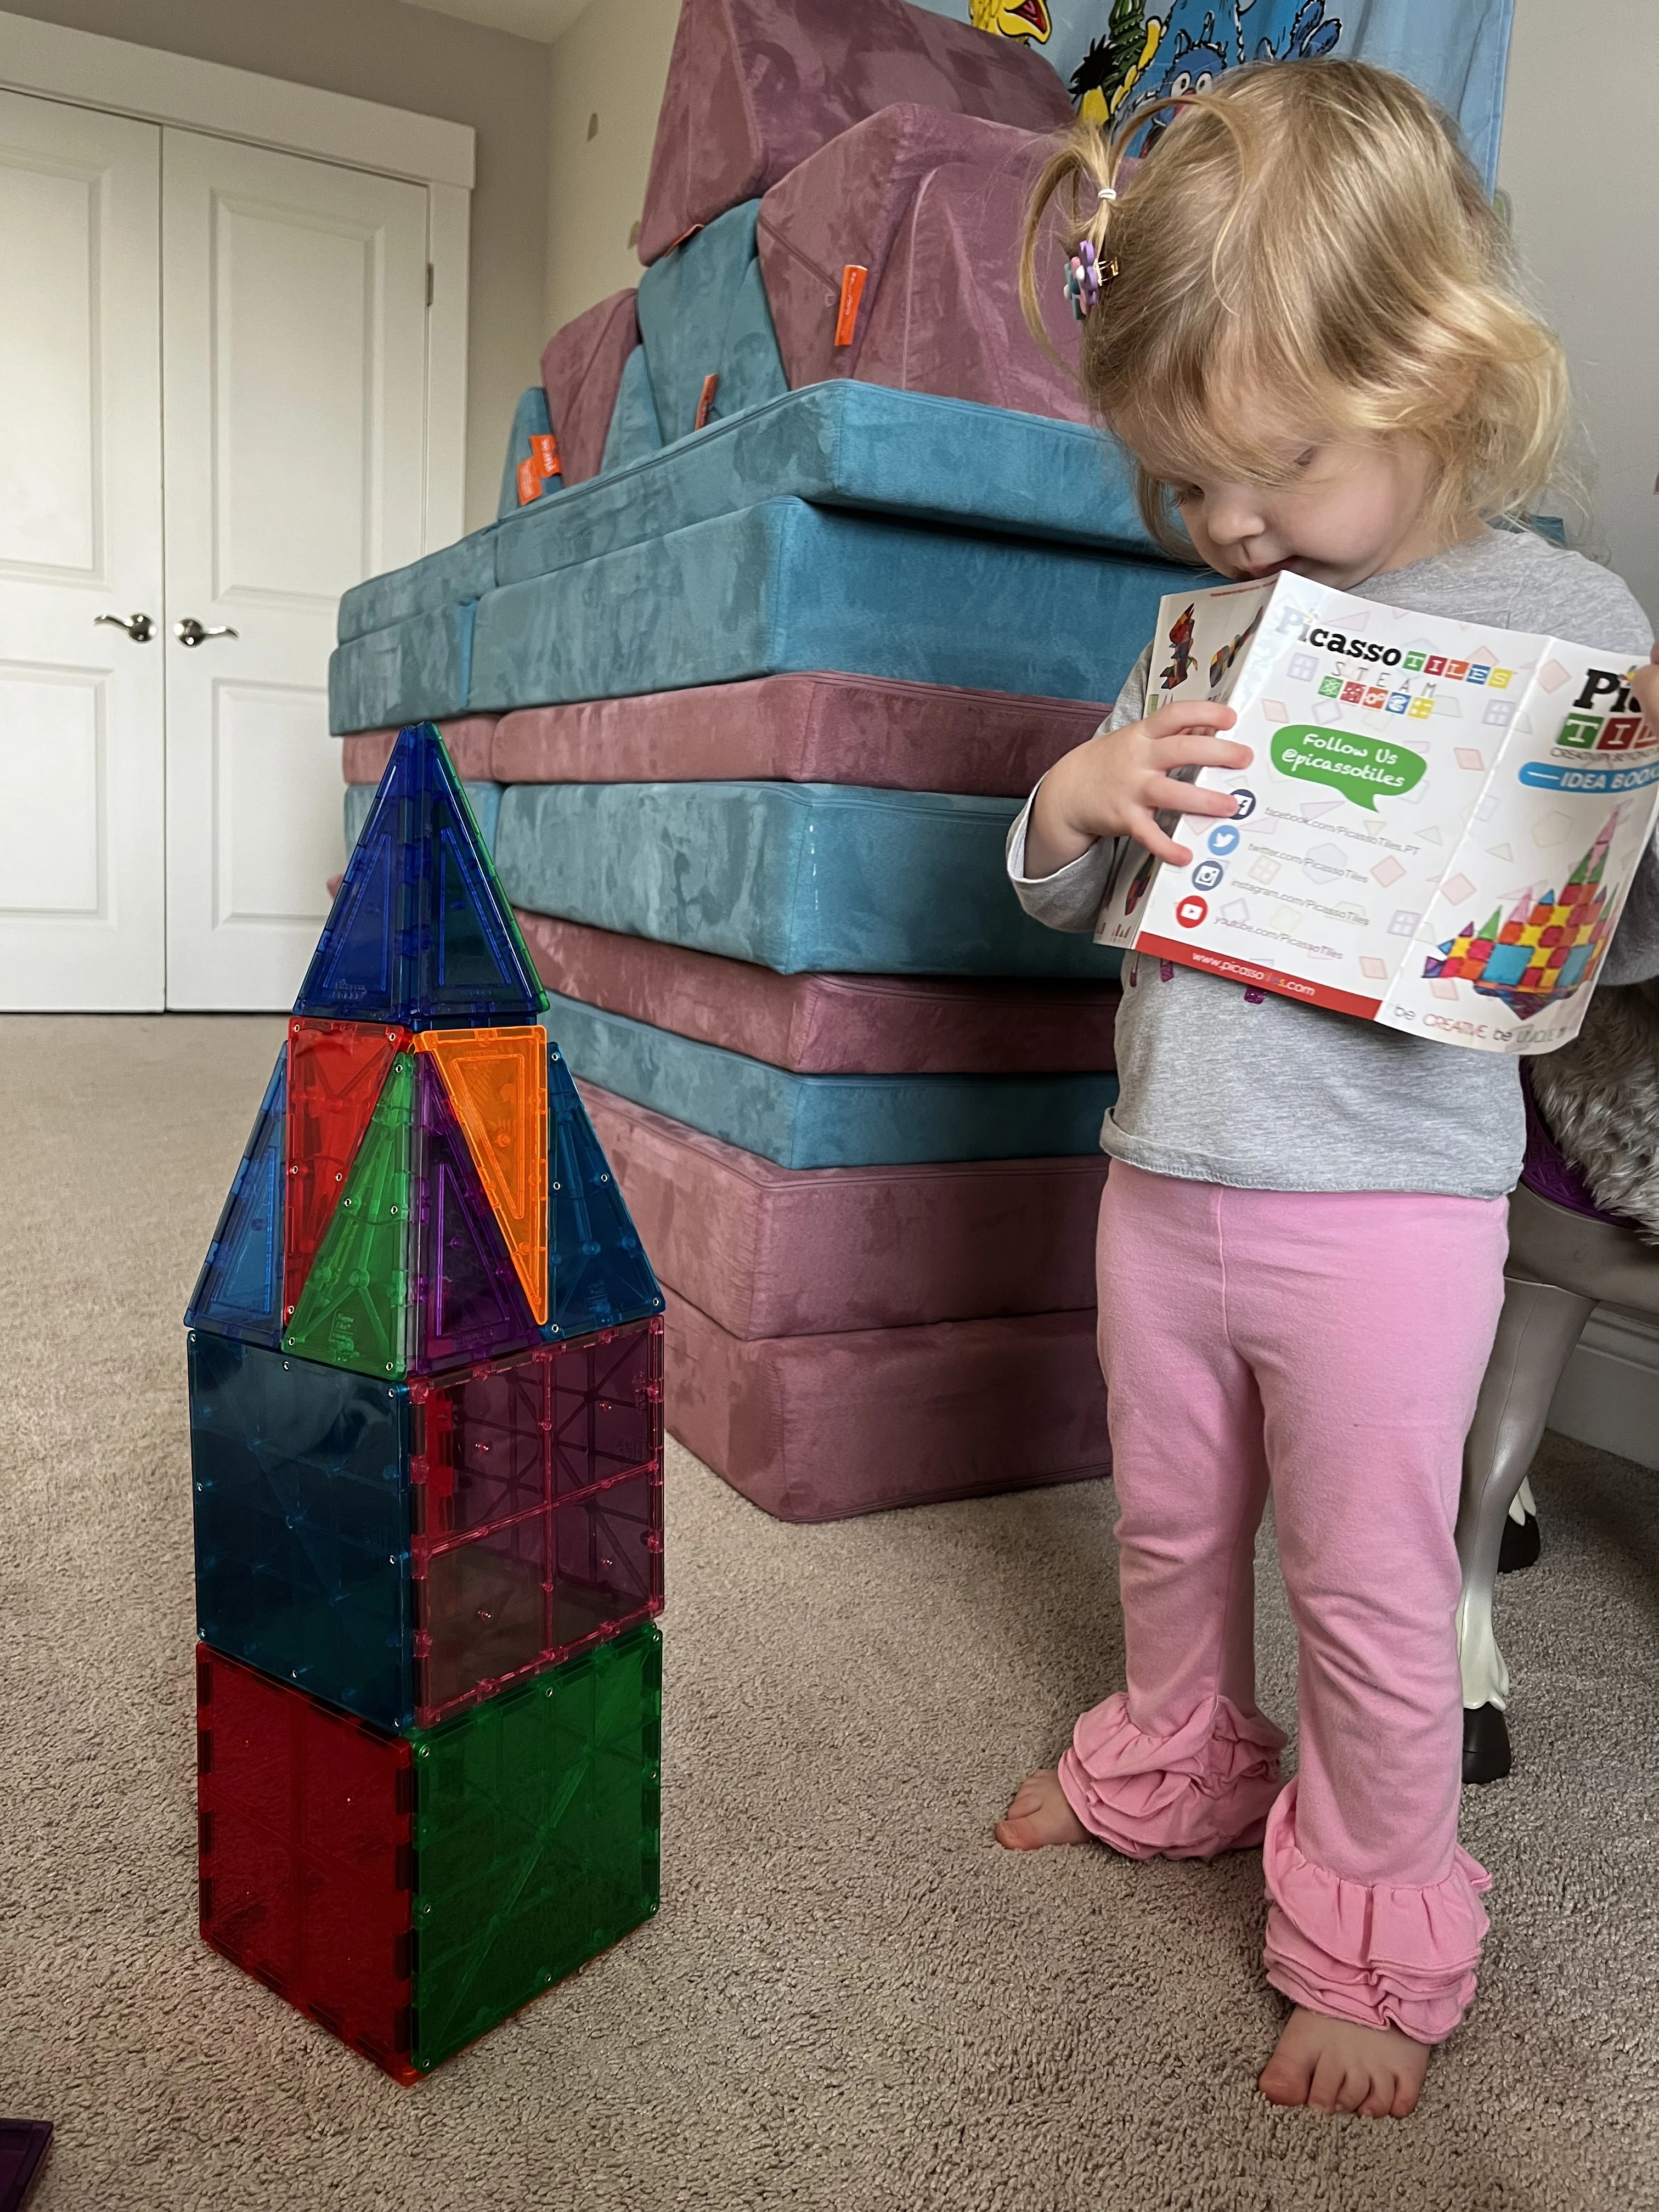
[(1437, 830)]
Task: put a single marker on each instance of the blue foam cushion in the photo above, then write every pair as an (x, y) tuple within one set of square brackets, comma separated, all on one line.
[(845, 444), (416, 671), (751, 367), (484, 799), (529, 418), (702, 312), (430, 585), (796, 877), (832, 1121), (635, 434), (789, 587), (903, 454)]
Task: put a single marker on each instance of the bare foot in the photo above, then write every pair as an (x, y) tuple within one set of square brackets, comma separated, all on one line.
[(1040, 1815), (1337, 2067)]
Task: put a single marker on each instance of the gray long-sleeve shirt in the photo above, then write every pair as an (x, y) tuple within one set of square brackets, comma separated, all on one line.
[(1266, 1092)]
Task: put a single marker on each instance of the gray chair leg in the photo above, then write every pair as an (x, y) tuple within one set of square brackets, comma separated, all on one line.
[(1536, 1333), (1522, 1543)]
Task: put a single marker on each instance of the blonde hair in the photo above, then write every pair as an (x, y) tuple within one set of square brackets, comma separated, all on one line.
[(1309, 231)]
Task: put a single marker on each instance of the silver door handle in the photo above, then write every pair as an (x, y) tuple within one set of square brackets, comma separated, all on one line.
[(139, 628), (190, 632)]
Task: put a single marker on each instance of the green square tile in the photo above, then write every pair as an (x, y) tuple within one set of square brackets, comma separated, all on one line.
[(535, 1838)]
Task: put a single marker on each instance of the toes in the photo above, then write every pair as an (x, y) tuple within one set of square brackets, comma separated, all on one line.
[(1406, 2090), (1284, 2081), (1355, 2088), (1328, 2075), (1379, 2104), (1018, 1833)]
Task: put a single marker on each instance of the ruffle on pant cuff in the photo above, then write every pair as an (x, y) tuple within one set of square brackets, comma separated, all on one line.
[(1205, 1789), (1384, 1954)]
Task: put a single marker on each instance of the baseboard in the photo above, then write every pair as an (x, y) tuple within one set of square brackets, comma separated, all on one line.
[(1609, 1394)]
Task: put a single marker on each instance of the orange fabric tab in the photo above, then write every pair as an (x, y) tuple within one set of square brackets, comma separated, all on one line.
[(706, 404), (496, 1080), (852, 280), (544, 451), (530, 482)]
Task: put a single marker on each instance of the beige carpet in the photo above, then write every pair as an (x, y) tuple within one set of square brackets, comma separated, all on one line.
[(851, 1999)]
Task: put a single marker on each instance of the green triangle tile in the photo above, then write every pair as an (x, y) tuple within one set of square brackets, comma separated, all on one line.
[(354, 1309)]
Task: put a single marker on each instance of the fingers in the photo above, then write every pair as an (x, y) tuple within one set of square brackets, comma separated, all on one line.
[(1190, 714), (1198, 749), (1644, 682), (1142, 825), (1190, 798)]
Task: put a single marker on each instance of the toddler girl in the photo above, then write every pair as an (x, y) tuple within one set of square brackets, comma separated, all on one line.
[(1308, 341)]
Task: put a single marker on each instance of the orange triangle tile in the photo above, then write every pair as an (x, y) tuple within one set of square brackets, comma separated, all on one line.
[(496, 1081)]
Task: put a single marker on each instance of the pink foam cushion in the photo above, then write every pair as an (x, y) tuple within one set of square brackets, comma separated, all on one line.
[(817, 728), (468, 736), (830, 1024), (818, 1428), (582, 368), (933, 206), (769, 1251), (755, 85)]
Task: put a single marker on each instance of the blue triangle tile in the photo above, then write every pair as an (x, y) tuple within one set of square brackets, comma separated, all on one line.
[(421, 933), (240, 1291), (353, 971), (598, 1274)]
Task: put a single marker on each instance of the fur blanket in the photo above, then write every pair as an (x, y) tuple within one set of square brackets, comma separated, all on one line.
[(1600, 1097)]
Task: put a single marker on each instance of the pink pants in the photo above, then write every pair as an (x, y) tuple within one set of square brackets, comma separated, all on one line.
[(1331, 1345)]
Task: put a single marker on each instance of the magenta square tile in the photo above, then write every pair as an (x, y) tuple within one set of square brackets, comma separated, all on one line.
[(607, 1559), (606, 1408)]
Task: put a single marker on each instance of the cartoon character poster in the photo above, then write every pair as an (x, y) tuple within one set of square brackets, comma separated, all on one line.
[(1116, 55)]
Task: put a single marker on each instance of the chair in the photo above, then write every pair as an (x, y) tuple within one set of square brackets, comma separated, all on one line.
[(1562, 1263)]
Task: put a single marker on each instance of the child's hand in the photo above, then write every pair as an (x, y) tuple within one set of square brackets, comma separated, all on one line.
[(1644, 682), (1113, 785)]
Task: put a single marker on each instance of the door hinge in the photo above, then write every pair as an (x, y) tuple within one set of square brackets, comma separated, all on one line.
[(429, 284)]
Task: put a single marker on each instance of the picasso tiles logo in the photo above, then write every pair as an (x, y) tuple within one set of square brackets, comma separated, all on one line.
[(1606, 717), (1395, 695)]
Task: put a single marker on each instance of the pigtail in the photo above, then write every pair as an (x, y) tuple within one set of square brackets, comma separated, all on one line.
[(1080, 177)]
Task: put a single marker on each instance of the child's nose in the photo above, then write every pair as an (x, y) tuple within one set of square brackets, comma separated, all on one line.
[(1235, 515)]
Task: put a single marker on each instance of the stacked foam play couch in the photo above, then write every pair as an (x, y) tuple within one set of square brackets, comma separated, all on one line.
[(806, 569)]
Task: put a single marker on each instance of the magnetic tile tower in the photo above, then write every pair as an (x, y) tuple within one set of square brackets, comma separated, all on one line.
[(1547, 946), (426, 1436)]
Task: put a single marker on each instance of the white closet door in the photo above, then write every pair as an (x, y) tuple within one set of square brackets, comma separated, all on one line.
[(81, 895), (294, 344)]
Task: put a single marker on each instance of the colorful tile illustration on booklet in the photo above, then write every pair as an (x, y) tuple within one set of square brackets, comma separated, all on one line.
[(1547, 947), (425, 1363)]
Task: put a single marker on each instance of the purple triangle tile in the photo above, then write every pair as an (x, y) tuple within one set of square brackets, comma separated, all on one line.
[(469, 1303)]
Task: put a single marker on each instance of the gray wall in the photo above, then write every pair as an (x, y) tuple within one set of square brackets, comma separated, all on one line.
[(434, 65), (611, 64), (1576, 161)]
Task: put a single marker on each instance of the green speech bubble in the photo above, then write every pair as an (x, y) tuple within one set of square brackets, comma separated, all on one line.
[(1364, 769)]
